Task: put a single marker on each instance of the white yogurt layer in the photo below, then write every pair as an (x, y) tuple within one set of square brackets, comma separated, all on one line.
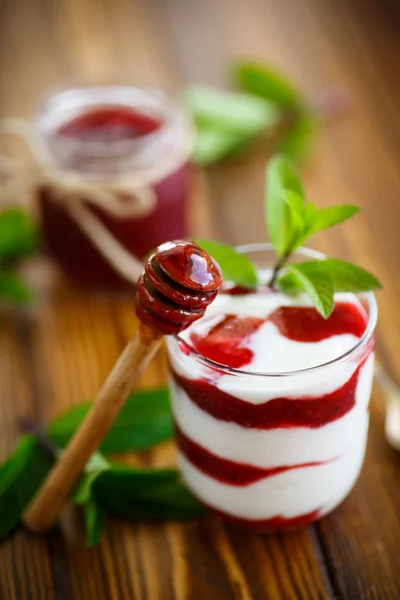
[(340, 443)]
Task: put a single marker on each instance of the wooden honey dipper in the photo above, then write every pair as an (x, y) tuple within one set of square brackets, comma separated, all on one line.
[(179, 281)]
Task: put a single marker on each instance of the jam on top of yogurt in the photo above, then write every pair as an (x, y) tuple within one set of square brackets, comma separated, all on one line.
[(227, 341)]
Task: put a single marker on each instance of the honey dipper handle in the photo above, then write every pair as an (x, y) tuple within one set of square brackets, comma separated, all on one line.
[(43, 510)]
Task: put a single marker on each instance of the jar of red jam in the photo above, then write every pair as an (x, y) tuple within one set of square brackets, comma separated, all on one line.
[(117, 178)]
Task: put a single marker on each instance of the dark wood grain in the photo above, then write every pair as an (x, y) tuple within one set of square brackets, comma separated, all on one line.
[(60, 355)]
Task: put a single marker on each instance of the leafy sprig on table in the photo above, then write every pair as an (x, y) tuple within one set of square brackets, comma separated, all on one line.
[(18, 239), (106, 487), (291, 220), (266, 104)]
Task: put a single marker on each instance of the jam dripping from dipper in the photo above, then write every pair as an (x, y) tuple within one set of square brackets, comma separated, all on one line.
[(179, 282)]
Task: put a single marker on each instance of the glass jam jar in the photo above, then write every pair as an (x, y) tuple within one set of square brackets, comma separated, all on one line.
[(137, 139)]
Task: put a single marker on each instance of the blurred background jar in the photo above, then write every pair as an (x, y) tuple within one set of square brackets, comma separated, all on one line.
[(120, 179)]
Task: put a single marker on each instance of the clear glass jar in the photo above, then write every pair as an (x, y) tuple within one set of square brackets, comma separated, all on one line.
[(272, 451), (135, 138)]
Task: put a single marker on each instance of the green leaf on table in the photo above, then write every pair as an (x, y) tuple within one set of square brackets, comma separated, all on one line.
[(95, 466), (236, 267), (285, 201), (12, 288), (212, 144), (95, 522), (313, 279), (225, 121), (18, 234), (20, 477), (144, 420), (262, 80), (145, 494), (94, 514), (238, 113)]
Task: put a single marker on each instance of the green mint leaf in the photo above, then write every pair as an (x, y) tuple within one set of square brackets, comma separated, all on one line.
[(95, 522), (233, 112), (296, 141), (212, 144), (316, 220), (95, 466), (20, 477), (310, 215), (12, 288), (94, 514), (315, 281), (347, 277), (284, 193), (261, 80), (328, 217), (144, 420), (145, 494), (296, 203), (235, 267), (18, 235)]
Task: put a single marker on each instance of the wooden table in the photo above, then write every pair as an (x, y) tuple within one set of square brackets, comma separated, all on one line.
[(61, 356)]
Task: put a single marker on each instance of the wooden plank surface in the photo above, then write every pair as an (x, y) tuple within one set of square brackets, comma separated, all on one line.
[(60, 355)]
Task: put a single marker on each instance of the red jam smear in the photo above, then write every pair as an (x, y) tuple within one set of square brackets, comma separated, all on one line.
[(307, 411), (305, 324), (227, 471), (225, 342), (278, 523), (64, 239), (183, 271)]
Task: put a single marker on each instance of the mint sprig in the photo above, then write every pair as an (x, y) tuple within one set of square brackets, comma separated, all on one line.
[(291, 221)]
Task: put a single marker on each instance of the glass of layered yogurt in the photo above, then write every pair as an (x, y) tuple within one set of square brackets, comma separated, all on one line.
[(270, 401)]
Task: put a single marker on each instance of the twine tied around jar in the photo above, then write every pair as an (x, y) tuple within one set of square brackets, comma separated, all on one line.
[(123, 198)]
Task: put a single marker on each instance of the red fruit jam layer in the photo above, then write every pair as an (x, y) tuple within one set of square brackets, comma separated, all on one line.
[(307, 411), (271, 525), (225, 343), (65, 240), (227, 471)]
